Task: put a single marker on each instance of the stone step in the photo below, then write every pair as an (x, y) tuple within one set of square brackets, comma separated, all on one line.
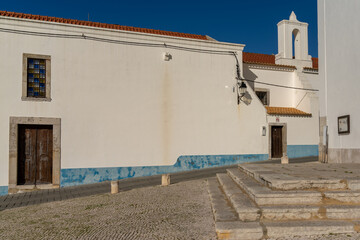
[(279, 180), (239, 230), (290, 229), (284, 182), (353, 184), (342, 196), (308, 212), (265, 196), (246, 208), (222, 209), (292, 212), (343, 212)]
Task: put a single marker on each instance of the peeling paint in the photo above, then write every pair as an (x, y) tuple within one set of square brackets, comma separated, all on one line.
[(77, 176), (3, 190)]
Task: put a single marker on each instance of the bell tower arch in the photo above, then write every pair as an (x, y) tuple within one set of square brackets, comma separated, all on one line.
[(293, 43)]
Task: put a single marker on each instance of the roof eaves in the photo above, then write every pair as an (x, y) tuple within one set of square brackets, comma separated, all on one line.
[(286, 111), (100, 25), (270, 64), (311, 68), (291, 114)]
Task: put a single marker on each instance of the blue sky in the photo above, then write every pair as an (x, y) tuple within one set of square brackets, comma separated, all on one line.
[(251, 22)]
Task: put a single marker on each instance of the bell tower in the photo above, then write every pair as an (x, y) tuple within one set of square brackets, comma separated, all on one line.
[(293, 43)]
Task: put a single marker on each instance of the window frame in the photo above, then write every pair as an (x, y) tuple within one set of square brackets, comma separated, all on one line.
[(267, 95), (47, 59)]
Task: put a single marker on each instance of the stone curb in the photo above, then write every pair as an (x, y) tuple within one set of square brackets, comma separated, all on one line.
[(239, 230), (304, 212), (306, 228), (343, 212), (280, 213), (344, 196), (221, 208)]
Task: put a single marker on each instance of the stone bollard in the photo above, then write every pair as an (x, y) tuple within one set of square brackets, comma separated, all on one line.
[(284, 159), (165, 179), (114, 187)]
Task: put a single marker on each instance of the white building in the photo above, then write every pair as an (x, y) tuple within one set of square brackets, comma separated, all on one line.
[(85, 102), (339, 55)]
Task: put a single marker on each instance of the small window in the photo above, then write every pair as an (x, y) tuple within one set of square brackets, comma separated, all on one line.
[(36, 77), (264, 96)]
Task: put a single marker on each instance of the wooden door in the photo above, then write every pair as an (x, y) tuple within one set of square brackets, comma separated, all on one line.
[(276, 142), (34, 154)]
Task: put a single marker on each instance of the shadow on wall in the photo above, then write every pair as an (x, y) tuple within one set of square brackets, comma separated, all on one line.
[(250, 75)]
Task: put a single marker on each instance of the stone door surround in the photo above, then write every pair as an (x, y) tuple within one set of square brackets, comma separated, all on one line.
[(13, 151)]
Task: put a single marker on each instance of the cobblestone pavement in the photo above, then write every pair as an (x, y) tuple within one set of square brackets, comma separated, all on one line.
[(178, 211), (51, 195)]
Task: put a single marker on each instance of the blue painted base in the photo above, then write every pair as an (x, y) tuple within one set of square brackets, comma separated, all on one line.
[(297, 151), (3, 190), (77, 176)]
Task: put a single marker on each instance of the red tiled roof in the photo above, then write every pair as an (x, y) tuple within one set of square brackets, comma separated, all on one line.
[(100, 25), (258, 58), (266, 59), (287, 111), (263, 59)]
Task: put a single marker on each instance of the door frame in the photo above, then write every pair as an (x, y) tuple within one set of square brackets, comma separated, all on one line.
[(13, 151), (284, 138)]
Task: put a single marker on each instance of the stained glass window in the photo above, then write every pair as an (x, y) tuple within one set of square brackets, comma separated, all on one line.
[(36, 78)]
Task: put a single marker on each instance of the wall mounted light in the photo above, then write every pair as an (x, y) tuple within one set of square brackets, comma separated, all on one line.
[(242, 90)]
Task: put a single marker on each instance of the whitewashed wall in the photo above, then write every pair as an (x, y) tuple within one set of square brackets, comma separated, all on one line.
[(124, 105), (279, 97), (339, 60), (300, 130)]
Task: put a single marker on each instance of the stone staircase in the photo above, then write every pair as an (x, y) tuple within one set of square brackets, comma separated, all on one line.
[(250, 204)]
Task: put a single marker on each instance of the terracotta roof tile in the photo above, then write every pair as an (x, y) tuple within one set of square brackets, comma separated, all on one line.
[(315, 63), (311, 69), (286, 111), (101, 25), (262, 59), (258, 58)]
